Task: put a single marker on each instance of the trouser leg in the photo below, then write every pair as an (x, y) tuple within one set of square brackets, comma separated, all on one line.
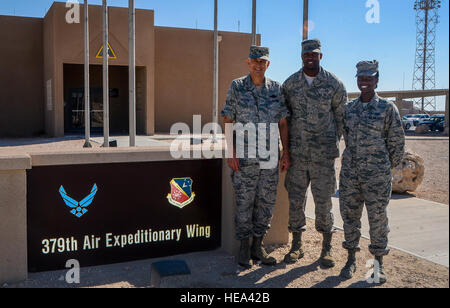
[(296, 183), (351, 204), (245, 183), (377, 194), (323, 187), (265, 200)]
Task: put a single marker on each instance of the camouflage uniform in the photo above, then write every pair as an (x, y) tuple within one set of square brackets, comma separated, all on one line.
[(315, 128), (255, 188), (375, 142)]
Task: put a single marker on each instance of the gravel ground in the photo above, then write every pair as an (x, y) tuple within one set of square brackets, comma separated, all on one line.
[(435, 155), (217, 269)]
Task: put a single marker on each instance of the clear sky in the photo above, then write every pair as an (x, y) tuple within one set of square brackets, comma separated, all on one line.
[(340, 24)]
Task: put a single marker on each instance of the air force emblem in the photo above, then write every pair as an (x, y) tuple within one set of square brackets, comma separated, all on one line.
[(78, 208), (181, 192)]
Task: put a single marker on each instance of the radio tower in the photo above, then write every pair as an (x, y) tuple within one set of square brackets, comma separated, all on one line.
[(427, 18)]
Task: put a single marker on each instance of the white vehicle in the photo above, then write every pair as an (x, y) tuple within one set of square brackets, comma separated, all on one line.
[(408, 121), (418, 118)]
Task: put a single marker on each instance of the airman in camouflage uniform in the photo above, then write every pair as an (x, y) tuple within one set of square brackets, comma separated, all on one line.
[(375, 142), (316, 99), (255, 99)]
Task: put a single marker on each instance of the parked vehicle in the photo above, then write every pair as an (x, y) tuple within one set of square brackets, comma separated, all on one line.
[(407, 121), (418, 117), (433, 122), (440, 126)]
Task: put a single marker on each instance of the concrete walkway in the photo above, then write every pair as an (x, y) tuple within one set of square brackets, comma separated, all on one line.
[(159, 140), (419, 227)]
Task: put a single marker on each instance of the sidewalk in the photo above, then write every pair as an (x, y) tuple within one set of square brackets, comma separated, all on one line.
[(419, 227), (426, 138)]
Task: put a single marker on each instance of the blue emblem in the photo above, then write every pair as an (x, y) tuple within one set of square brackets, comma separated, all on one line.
[(78, 208)]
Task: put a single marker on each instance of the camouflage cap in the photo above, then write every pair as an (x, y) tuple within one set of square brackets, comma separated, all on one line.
[(367, 68), (313, 45), (257, 52)]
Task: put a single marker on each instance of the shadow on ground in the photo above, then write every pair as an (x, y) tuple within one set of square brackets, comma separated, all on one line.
[(406, 195)]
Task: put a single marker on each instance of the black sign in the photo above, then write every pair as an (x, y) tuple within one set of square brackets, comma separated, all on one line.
[(109, 213)]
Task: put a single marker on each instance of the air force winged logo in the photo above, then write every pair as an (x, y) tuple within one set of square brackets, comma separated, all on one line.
[(181, 192), (78, 208)]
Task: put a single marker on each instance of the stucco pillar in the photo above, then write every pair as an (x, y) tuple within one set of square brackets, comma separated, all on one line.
[(278, 233), (13, 218), (229, 242)]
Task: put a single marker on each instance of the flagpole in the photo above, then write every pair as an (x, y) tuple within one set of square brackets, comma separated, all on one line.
[(254, 23), (87, 126), (305, 19), (105, 76), (216, 72), (132, 71)]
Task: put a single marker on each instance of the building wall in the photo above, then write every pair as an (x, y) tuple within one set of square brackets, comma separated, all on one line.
[(184, 73), (21, 76), (174, 76), (64, 44)]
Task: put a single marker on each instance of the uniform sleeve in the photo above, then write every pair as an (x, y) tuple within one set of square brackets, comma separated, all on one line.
[(286, 98), (345, 129), (395, 137), (284, 111), (230, 104), (337, 106)]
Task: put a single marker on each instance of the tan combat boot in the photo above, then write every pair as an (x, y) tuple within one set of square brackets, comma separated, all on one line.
[(244, 254), (258, 252), (326, 259), (296, 251), (350, 267), (381, 274)]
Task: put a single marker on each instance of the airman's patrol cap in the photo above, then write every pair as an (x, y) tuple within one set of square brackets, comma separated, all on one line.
[(313, 45), (367, 68), (257, 52)]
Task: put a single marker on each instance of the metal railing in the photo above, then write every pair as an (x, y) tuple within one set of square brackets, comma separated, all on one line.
[(401, 95)]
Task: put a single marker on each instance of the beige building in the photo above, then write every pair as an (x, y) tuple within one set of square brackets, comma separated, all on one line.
[(42, 79)]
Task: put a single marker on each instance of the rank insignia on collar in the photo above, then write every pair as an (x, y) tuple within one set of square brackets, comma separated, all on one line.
[(181, 192)]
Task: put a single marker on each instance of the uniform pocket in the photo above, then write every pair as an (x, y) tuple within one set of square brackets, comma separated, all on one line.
[(246, 109), (378, 162), (319, 116), (375, 123), (273, 110), (350, 122)]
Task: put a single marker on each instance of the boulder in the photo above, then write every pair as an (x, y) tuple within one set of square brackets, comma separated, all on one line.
[(408, 175), (422, 129)]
